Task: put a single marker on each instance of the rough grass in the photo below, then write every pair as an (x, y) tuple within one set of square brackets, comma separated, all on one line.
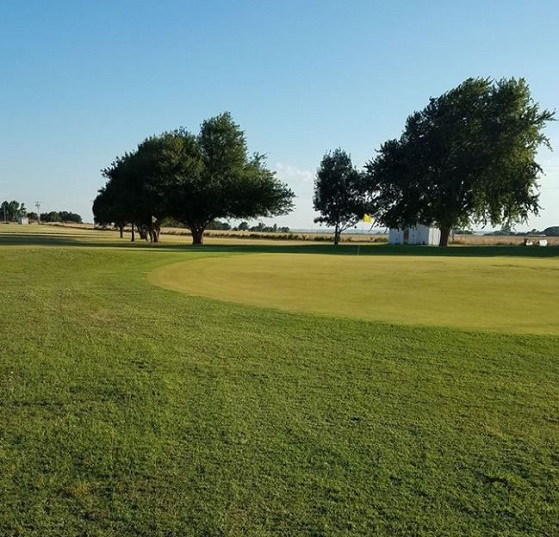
[(127, 409)]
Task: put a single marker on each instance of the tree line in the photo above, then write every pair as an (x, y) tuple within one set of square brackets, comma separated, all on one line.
[(11, 211), (56, 216), (194, 179), (467, 158), (552, 231)]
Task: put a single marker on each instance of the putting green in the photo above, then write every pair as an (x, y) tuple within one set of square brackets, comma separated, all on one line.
[(497, 294)]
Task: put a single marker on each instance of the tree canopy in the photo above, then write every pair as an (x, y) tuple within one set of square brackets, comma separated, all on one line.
[(220, 180), (194, 179), (340, 193), (552, 231), (10, 211), (60, 216), (468, 157)]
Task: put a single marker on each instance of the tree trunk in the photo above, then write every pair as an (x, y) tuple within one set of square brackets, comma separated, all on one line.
[(121, 229), (336, 235), (133, 236), (445, 234), (197, 236), (153, 234)]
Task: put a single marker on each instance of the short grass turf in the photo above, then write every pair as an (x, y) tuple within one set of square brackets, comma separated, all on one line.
[(502, 293), (127, 409)]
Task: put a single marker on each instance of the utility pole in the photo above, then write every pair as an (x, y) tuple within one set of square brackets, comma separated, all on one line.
[(38, 205)]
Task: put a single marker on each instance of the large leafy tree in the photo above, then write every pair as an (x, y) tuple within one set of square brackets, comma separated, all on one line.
[(215, 178), (138, 188), (109, 207), (467, 158), (194, 179), (340, 193), (114, 203), (12, 210)]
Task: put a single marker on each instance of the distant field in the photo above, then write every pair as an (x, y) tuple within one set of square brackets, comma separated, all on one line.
[(318, 236), (499, 240), (127, 409)]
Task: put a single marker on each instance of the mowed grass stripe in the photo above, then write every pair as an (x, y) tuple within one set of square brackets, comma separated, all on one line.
[(499, 294)]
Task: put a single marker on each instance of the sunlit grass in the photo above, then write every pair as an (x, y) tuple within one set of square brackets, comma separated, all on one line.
[(127, 409), (501, 293)]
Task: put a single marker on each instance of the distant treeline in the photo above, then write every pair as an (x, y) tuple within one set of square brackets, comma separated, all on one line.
[(219, 225), (552, 231), (57, 216), (260, 227), (11, 211)]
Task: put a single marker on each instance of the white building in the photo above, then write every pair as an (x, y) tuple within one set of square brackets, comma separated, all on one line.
[(23, 220), (415, 235)]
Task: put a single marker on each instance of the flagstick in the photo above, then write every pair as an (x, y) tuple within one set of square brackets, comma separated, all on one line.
[(360, 238), (366, 218)]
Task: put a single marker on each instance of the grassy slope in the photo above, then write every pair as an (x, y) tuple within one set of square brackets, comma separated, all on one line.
[(126, 409)]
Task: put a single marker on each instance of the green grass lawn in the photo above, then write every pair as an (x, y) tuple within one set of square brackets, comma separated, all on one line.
[(503, 293), (129, 409)]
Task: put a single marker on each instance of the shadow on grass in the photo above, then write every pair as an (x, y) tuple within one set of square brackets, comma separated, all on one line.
[(372, 249), (81, 240)]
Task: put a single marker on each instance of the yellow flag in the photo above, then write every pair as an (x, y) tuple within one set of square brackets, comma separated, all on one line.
[(367, 218)]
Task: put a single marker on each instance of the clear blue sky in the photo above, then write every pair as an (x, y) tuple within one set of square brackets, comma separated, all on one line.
[(85, 80)]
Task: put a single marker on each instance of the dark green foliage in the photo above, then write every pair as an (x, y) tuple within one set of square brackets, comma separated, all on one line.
[(552, 231), (227, 182), (67, 216), (10, 211), (467, 158), (113, 204), (138, 189), (192, 179), (219, 225), (340, 193), (14, 209), (52, 216), (261, 227), (60, 216)]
